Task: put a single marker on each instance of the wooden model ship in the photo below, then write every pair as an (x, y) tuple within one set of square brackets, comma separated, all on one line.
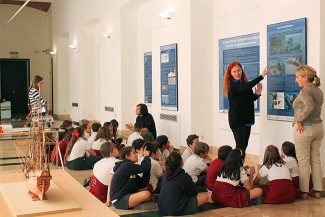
[(31, 148)]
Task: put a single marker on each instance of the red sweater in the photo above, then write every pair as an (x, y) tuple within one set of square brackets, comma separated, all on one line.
[(213, 173), (63, 146)]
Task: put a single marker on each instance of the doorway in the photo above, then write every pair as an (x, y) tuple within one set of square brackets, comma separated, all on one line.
[(14, 76)]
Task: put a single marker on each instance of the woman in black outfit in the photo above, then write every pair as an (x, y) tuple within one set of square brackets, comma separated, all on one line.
[(241, 101), (145, 118)]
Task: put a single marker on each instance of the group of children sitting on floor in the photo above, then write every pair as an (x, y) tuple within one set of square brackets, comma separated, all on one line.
[(152, 171), (79, 147)]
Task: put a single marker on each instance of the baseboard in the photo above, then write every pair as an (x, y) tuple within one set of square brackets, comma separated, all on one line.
[(61, 117)]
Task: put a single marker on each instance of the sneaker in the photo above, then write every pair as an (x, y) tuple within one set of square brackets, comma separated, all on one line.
[(257, 201), (155, 198), (85, 182), (148, 206)]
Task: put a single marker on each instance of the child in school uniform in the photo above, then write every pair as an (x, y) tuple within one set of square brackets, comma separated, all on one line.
[(178, 195), (102, 173), (87, 130), (147, 136), (192, 140), (215, 165), (195, 165), (156, 171), (274, 168), (115, 139), (226, 189), (94, 130), (109, 125), (62, 146), (66, 125), (164, 146), (289, 156), (101, 137), (137, 145), (125, 183), (136, 134), (75, 156)]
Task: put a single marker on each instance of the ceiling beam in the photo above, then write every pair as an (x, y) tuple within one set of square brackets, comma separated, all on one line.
[(17, 12), (50, 1)]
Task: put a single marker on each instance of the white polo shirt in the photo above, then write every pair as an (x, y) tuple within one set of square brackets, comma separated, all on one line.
[(135, 135), (163, 155), (275, 172), (104, 168), (243, 178), (79, 149), (98, 143), (91, 139), (187, 153), (293, 166), (194, 165), (155, 173)]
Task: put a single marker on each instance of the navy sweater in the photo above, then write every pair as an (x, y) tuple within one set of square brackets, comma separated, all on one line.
[(176, 189), (125, 179), (241, 102)]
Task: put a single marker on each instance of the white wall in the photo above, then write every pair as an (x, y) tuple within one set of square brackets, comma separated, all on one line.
[(201, 70), (61, 90), (28, 32), (84, 29), (88, 87)]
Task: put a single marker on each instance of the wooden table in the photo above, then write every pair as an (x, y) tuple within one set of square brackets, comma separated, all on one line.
[(90, 205)]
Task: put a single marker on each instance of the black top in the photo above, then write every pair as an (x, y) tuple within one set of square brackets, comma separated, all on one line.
[(176, 189), (149, 123), (62, 134), (125, 179), (241, 102)]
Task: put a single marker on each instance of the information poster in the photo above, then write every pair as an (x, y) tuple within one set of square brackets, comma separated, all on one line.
[(168, 77), (148, 78), (244, 49), (286, 50)]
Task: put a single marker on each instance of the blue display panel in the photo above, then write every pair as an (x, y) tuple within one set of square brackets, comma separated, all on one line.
[(169, 77), (286, 50), (244, 49), (148, 78)]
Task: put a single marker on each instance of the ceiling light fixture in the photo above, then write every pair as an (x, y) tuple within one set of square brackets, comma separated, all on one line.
[(73, 46), (166, 15), (107, 34)]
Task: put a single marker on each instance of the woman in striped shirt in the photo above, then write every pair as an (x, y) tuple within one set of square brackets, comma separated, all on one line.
[(35, 98)]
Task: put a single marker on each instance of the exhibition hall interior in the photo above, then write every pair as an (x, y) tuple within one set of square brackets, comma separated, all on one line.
[(165, 72)]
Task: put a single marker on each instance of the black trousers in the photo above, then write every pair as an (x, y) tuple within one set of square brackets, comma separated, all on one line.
[(241, 134)]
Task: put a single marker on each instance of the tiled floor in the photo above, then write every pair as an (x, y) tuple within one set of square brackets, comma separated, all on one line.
[(300, 208)]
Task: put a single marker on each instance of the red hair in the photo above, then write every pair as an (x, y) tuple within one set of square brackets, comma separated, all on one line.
[(227, 78)]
